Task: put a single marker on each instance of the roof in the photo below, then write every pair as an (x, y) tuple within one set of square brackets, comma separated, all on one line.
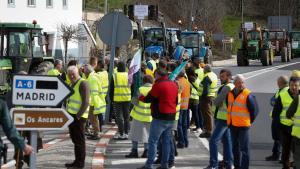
[(20, 25)]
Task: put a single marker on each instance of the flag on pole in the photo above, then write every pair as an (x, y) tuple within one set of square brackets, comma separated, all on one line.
[(135, 65)]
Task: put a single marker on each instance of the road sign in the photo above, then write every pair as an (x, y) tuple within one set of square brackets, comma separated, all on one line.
[(140, 11), (249, 25), (40, 118), (41, 91), (122, 25)]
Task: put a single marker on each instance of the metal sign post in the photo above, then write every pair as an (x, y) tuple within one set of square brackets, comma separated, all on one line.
[(115, 29), (33, 142)]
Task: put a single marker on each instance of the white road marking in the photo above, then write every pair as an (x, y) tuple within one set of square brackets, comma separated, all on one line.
[(266, 70), (205, 143)]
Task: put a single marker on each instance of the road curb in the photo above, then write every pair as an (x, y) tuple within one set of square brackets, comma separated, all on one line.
[(101, 146), (47, 145)]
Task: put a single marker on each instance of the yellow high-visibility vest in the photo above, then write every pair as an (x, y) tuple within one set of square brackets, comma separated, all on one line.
[(122, 91), (286, 101), (74, 102), (277, 94), (142, 111), (296, 120), (214, 84), (103, 78), (222, 111), (54, 72), (95, 98), (194, 92), (200, 73)]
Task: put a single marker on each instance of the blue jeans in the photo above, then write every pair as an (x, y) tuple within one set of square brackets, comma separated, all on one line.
[(240, 140), (182, 128), (172, 151), (221, 132), (159, 128)]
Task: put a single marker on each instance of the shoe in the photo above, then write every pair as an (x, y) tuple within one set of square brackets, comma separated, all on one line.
[(180, 145), (157, 161), (145, 154), (171, 165), (132, 154), (195, 130), (273, 157), (93, 137), (144, 167), (210, 167), (70, 164), (125, 136), (120, 137), (161, 168), (75, 167), (205, 135)]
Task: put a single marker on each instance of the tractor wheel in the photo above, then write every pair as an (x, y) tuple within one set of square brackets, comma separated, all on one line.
[(289, 52), (42, 68), (264, 58), (271, 57), (240, 58), (284, 54)]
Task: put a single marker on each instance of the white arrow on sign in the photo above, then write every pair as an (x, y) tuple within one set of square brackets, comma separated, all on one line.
[(41, 91)]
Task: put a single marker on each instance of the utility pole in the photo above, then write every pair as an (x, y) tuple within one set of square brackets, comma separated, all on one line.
[(242, 8), (279, 24), (105, 12)]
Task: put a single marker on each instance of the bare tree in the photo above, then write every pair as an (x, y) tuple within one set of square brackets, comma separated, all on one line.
[(68, 33)]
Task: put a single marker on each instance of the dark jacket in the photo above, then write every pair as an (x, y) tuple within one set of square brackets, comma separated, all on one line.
[(9, 129), (163, 98)]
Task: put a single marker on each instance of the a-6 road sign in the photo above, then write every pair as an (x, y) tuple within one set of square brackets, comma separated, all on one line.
[(40, 91), (40, 118)]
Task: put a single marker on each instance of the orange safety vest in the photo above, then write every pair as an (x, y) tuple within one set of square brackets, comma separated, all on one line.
[(238, 114), (186, 93)]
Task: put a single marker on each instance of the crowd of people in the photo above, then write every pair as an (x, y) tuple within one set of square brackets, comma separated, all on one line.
[(168, 105), (173, 99)]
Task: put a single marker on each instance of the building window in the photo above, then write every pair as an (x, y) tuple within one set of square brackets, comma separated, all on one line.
[(31, 3), (11, 3), (65, 4), (49, 3)]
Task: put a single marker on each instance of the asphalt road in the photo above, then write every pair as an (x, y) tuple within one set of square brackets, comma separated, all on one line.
[(261, 80)]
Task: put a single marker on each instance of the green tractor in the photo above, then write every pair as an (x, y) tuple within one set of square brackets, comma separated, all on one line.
[(281, 43), (255, 45), (21, 49), (295, 43)]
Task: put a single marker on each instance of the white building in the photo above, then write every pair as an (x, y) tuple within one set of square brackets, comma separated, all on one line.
[(48, 14)]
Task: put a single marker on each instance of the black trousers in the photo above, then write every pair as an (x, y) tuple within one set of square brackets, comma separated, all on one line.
[(77, 129), (286, 142), (122, 111)]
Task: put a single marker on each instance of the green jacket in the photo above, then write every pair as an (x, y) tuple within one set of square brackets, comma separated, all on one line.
[(9, 128)]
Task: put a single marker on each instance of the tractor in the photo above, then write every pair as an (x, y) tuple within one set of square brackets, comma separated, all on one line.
[(295, 41), (282, 46), (194, 42), (21, 49), (159, 40), (255, 45)]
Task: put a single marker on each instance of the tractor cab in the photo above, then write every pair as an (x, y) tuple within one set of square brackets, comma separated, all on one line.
[(194, 42), (21, 49), (159, 40)]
